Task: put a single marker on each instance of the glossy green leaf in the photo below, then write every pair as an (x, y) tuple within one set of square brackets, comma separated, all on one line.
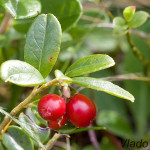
[(90, 64), (114, 123), (43, 43), (41, 133), (128, 12), (20, 73), (66, 11), (138, 19), (105, 86), (20, 9), (16, 139)]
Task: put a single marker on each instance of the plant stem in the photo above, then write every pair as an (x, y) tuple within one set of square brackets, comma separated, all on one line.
[(131, 76), (68, 143), (93, 139), (5, 23), (138, 54), (52, 141), (34, 93), (107, 10)]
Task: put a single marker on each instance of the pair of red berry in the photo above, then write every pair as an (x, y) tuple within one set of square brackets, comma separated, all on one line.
[(80, 110)]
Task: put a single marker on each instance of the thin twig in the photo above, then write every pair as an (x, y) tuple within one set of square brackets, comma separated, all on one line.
[(93, 139), (68, 143), (52, 141), (138, 54), (107, 10), (141, 34), (5, 23), (34, 93), (131, 76)]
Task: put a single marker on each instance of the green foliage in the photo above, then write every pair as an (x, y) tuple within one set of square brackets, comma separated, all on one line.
[(105, 86), (41, 133), (20, 73), (34, 115), (115, 123), (43, 43), (132, 20), (66, 11), (119, 22), (138, 19), (90, 64), (59, 75), (128, 12), (17, 139), (72, 130), (23, 8)]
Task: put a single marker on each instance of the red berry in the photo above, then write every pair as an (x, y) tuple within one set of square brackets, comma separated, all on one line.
[(80, 110), (56, 124), (51, 107)]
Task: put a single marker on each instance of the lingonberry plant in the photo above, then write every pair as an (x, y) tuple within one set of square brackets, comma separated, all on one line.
[(55, 103)]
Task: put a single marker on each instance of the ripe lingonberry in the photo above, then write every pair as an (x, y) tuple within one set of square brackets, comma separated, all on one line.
[(56, 124), (80, 110), (51, 107)]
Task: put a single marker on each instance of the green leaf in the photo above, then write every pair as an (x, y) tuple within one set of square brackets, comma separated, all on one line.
[(90, 64), (20, 9), (119, 22), (59, 75), (43, 43), (41, 133), (16, 139), (114, 123), (34, 115), (73, 130), (129, 12), (22, 25), (20, 73), (1, 146), (138, 19), (67, 11), (104, 86), (24, 126)]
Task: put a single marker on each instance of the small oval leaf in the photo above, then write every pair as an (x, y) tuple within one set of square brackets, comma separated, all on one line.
[(20, 9), (128, 12), (90, 64), (119, 22), (20, 73), (138, 19), (104, 86), (43, 43), (16, 139)]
